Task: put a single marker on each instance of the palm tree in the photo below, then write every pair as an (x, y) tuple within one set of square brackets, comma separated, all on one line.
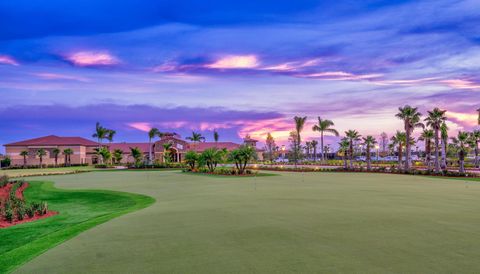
[(411, 120), (40, 153), (399, 140), (137, 154), (299, 124), (55, 153), (196, 138), (426, 137), (324, 126), (100, 133), (166, 152), (435, 119), (369, 142), (475, 138), (151, 134), (478, 122), (314, 144), (68, 152), (216, 136), (343, 148), (353, 136), (308, 146), (118, 156), (110, 134), (460, 143), (444, 135), (24, 154)]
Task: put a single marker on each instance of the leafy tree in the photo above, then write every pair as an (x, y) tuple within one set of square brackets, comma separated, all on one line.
[(55, 153), (41, 153), (475, 139), (67, 153), (369, 143), (435, 119), (411, 120), (118, 156), (24, 154), (460, 143), (191, 158), (270, 146), (242, 156), (324, 126), (353, 136), (137, 155), (299, 124)]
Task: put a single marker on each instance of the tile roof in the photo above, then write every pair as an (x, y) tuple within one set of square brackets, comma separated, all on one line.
[(125, 147), (201, 146), (53, 140)]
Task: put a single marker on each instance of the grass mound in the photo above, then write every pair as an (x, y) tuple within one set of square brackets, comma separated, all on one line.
[(79, 211)]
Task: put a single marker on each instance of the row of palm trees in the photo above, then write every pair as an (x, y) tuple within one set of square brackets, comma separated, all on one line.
[(434, 128), (41, 153)]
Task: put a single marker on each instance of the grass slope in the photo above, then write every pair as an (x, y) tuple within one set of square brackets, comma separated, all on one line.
[(292, 223), (79, 211)]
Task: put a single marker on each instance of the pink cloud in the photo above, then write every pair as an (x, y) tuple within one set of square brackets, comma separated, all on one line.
[(56, 76), (339, 75), (463, 119), (291, 66), (235, 62), (461, 84), (142, 126), (8, 60), (91, 58)]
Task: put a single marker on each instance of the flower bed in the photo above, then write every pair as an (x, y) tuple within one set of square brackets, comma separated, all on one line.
[(222, 171), (13, 207)]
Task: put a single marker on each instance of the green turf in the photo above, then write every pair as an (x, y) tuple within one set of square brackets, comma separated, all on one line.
[(44, 171), (292, 223), (79, 211)]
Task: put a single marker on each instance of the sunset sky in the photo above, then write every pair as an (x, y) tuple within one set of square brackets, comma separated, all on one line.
[(241, 67)]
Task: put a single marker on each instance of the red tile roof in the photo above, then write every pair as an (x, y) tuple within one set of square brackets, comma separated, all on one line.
[(53, 140), (199, 147), (125, 147)]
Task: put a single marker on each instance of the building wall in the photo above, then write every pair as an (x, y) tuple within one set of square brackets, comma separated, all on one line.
[(78, 157)]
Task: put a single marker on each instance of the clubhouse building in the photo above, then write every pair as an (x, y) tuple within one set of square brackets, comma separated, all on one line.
[(84, 150)]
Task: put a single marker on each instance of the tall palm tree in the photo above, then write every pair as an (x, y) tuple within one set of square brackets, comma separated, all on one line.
[(444, 135), (308, 146), (324, 126), (196, 138), (55, 153), (353, 136), (478, 122), (314, 144), (24, 154), (435, 119), (399, 140), (369, 143), (426, 137), (41, 153), (152, 133), (411, 120), (68, 152), (344, 145), (299, 124), (216, 136), (460, 143), (166, 152), (110, 134), (101, 133), (475, 138)]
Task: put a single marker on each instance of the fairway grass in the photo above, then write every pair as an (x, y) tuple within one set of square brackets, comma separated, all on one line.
[(78, 211), (291, 223), (16, 173)]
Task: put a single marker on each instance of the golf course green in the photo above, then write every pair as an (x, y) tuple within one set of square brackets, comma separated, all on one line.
[(290, 223)]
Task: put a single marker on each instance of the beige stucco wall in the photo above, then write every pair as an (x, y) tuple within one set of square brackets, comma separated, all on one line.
[(78, 157)]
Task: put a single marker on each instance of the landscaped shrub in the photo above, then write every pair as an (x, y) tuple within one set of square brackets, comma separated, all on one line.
[(30, 211), (3, 180), (101, 166)]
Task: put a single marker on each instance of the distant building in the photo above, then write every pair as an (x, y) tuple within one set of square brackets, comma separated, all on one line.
[(84, 149)]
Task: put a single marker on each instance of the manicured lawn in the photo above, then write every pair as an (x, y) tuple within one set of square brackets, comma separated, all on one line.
[(291, 223), (79, 211), (44, 171)]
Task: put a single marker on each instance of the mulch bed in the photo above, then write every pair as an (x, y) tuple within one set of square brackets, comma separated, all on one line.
[(4, 194)]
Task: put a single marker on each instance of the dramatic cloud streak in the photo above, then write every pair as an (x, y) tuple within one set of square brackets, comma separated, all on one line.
[(8, 60), (91, 58), (235, 62)]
